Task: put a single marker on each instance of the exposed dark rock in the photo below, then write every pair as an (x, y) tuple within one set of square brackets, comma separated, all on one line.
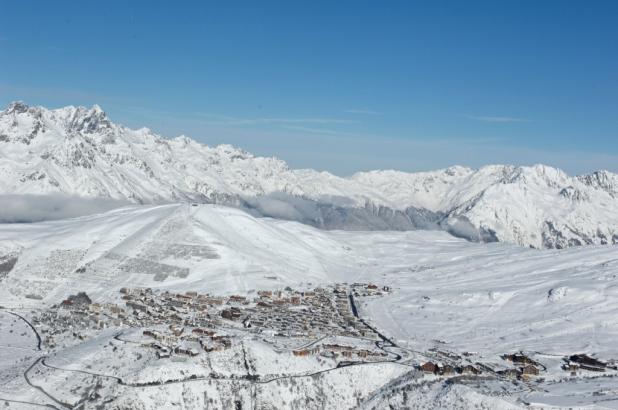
[(7, 263)]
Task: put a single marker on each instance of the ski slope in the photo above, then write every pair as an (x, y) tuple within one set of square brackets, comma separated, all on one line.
[(208, 248)]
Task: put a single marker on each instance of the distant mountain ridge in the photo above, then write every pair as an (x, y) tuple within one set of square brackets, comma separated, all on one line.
[(80, 151)]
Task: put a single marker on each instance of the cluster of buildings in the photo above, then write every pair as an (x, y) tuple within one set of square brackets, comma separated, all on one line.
[(195, 318), (183, 341), (189, 322), (523, 366), (578, 362), (185, 324), (321, 311), (282, 312), (340, 351), (76, 315)]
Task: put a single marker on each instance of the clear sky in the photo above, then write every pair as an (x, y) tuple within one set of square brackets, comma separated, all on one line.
[(335, 85)]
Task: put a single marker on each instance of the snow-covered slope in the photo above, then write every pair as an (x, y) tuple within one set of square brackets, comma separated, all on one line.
[(209, 247), (223, 250), (79, 151), (446, 294)]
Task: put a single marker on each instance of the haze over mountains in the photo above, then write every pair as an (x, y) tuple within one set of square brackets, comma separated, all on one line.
[(79, 151)]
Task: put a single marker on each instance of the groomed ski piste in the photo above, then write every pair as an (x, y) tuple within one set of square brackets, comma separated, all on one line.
[(438, 300)]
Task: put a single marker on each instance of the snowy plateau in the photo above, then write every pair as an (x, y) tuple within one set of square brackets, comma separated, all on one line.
[(211, 278)]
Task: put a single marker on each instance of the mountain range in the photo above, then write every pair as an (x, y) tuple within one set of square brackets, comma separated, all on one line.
[(80, 152)]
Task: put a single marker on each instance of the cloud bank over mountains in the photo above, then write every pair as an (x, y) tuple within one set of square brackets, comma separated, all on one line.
[(36, 208)]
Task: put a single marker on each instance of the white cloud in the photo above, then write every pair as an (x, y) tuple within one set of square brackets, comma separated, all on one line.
[(36, 208)]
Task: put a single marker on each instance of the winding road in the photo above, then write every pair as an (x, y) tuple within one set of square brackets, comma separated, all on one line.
[(36, 333), (379, 344), (41, 389)]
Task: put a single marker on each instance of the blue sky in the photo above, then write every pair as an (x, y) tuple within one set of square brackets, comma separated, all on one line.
[(341, 86)]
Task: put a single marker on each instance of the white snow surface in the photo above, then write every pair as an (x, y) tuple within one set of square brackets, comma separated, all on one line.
[(494, 297), (447, 293), (80, 151)]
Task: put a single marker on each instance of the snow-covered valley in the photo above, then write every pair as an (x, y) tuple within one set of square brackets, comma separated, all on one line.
[(415, 298)]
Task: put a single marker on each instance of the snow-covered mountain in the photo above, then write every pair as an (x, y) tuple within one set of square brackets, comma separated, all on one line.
[(79, 151)]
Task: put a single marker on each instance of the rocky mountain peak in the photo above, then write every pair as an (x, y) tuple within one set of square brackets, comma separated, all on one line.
[(16, 107), (89, 120)]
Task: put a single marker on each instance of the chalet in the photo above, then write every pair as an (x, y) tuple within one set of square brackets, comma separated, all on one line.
[(510, 373), (529, 370), (336, 347), (587, 363), (591, 368), (222, 341), (202, 331), (306, 352), (518, 359), (429, 367), (447, 370), (237, 299), (469, 369), (265, 293), (231, 313), (94, 308)]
